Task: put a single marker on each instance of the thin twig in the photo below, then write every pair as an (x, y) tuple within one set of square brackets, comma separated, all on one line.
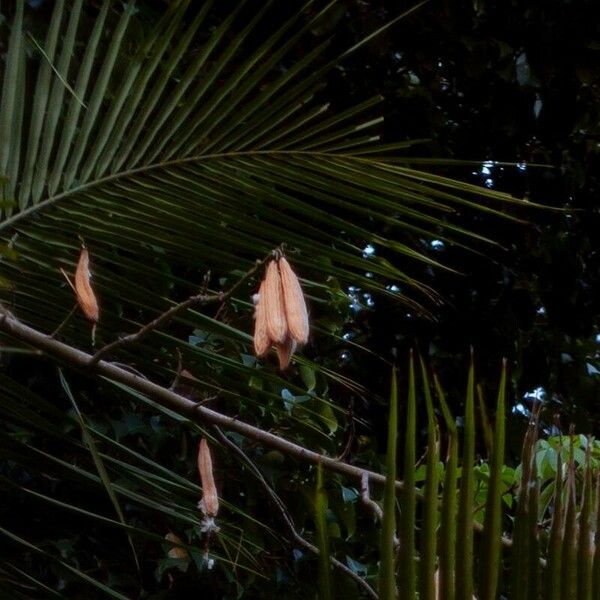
[(179, 370), (65, 320), (201, 299), (205, 282), (56, 71), (287, 517), (133, 370), (350, 440), (68, 280)]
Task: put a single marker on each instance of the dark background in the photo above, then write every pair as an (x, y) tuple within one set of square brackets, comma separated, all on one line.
[(515, 82)]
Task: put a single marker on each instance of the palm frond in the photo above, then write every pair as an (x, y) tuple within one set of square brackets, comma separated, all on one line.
[(182, 148), (198, 144)]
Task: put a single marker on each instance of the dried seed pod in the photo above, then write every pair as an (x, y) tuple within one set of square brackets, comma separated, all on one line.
[(295, 306), (285, 352), (261, 339), (176, 551), (210, 498), (83, 289), (274, 308)]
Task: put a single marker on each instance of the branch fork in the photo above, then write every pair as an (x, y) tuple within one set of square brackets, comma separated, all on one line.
[(201, 299)]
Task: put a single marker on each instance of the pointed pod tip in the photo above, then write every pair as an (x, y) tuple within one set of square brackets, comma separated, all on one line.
[(285, 351)]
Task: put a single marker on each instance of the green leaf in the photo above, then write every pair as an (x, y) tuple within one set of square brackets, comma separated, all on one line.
[(464, 537), (525, 554), (492, 549), (570, 566), (56, 72), (585, 550), (321, 503), (387, 571), (9, 88), (407, 576), (78, 573), (98, 462), (430, 511), (448, 521)]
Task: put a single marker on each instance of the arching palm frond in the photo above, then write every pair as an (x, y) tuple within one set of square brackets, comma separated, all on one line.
[(180, 148), (194, 142)]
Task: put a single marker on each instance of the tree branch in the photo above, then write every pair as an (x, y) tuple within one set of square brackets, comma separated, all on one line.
[(185, 407), (201, 299), (377, 511), (366, 499), (175, 402)]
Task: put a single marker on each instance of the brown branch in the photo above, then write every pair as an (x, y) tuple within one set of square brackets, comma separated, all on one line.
[(175, 402), (201, 299), (175, 383), (377, 511), (366, 499), (285, 515), (185, 407)]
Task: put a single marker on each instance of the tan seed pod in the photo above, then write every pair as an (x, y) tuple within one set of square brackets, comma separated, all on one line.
[(295, 306), (176, 551), (285, 352), (272, 297), (261, 339), (210, 498), (83, 289)]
